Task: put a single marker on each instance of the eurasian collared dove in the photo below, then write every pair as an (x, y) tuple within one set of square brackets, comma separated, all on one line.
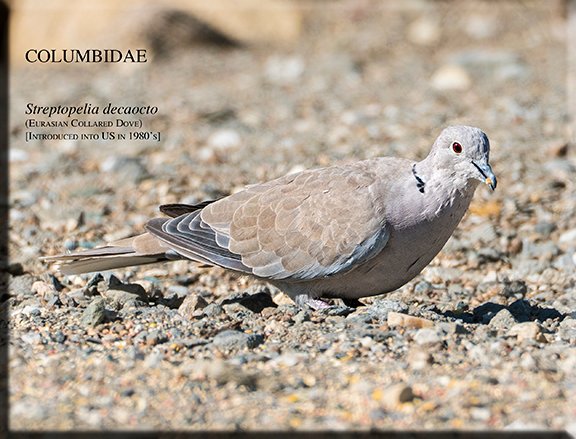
[(345, 231)]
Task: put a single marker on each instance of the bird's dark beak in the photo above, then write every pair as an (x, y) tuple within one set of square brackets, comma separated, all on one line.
[(486, 174)]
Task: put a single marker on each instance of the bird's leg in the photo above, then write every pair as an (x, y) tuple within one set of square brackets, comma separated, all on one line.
[(303, 300)]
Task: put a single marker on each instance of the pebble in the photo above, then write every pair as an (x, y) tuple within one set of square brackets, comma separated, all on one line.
[(451, 77), (302, 316), (119, 299), (30, 310), (427, 336), (568, 237), (131, 168), (527, 331), (394, 395), (94, 314), (484, 232), (225, 139), (223, 372), (212, 310), (419, 359), (192, 306), (381, 308), (424, 31), (407, 321), (480, 27), (567, 330), (284, 70), (502, 320), (231, 339), (17, 155)]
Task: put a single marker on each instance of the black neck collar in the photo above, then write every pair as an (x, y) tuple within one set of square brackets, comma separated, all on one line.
[(420, 184)]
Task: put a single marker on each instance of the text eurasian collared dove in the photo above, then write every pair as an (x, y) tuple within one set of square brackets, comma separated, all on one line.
[(345, 231)]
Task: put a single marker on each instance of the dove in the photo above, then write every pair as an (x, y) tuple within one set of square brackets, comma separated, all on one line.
[(345, 231)]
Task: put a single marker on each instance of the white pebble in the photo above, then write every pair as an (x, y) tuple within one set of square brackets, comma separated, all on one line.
[(451, 77), (424, 31), (224, 139), (17, 155), (284, 70), (480, 27)]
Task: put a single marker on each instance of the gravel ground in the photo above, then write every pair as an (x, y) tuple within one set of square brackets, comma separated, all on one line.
[(484, 338)]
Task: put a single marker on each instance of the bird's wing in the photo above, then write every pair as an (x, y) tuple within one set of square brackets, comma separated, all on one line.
[(301, 226), (177, 209)]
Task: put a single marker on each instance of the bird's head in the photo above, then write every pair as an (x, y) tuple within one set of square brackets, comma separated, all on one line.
[(464, 152)]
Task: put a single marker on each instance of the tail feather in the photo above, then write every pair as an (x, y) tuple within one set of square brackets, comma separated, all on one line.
[(137, 250), (89, 265)]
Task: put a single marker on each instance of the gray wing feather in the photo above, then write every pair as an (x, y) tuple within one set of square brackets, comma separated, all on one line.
[(297, 227)]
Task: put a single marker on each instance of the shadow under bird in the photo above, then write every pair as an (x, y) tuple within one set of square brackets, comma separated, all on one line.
[(345, 231)]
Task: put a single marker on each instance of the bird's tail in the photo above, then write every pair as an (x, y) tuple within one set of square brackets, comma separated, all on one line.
[(137, 250)]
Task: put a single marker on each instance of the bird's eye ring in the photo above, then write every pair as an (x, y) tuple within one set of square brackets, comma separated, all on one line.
[(456, 147)]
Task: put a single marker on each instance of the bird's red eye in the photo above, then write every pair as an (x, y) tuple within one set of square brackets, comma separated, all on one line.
[(457, 148)]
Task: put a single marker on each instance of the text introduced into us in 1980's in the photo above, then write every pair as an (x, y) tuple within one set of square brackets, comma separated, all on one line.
[(107, 122)]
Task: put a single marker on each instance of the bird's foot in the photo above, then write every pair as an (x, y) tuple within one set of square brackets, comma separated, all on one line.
[(303, 301), (324, 307)]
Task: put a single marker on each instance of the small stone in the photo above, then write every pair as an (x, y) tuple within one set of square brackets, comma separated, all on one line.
[(407, 321), (419, 359), (155, 337), (568, 237), (503, 320), (558, 148), (516, 288), (567, 330), (527, 331), (42, 288), (480, 413), (423, 288), (131, 168), (223, 372), (480, 26), (224, 139), (231, 339), (381, 308), (544, 228), (426, 336), (302, 316), (450, 328), (17, 155), (58, 337), (192, 306), (484, 232), (21, 285), (394, 395), (212, 310), (424, 31), (237, 311), (451, 77), (176, 290), (284, 70), (119, 299), (95, 313), (31, 310), (336, 311)]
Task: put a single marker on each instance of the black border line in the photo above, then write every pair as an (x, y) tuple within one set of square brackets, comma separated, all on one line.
[(4, 208)]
